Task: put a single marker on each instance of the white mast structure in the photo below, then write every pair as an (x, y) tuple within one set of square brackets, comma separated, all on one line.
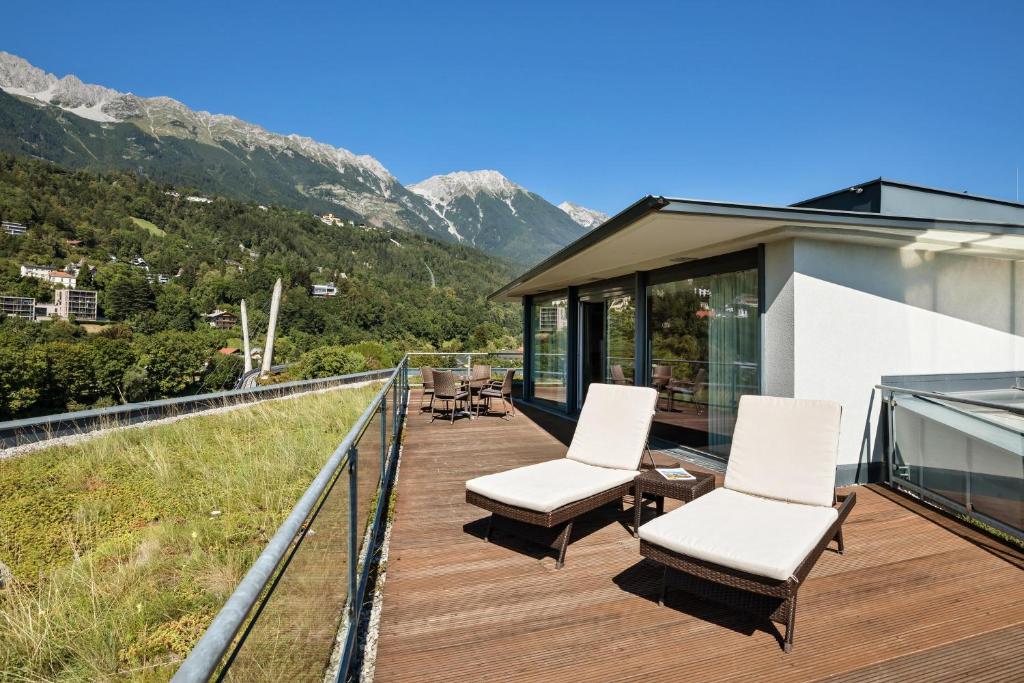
[(245, 338), (268, 353)]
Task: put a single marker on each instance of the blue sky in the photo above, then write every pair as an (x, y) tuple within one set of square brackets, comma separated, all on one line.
[(598, 103)]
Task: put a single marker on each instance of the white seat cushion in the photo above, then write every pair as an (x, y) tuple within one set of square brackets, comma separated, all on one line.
[(613, 426), (785, 448), (548, 485), (756, 535)]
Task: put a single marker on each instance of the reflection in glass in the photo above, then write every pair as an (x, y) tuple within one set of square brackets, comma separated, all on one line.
[(705, 348), (620, 321), (549, 356)]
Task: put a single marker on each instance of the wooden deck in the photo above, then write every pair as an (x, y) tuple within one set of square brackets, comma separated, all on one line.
[(911, 599)]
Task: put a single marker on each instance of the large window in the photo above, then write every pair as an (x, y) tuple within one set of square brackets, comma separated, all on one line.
[(549, 350), (704, 340), (620, 322)]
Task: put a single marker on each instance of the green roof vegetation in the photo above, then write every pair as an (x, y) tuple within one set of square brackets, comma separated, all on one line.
[(124, 546)]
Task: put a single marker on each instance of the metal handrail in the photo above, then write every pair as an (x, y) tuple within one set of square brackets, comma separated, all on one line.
[(32, 429), (948, 397), (203, 660)]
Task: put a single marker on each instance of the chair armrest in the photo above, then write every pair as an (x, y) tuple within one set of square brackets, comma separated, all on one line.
[(846, 503)]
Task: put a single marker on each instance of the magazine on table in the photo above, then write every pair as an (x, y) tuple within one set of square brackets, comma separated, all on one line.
[(675, 474)]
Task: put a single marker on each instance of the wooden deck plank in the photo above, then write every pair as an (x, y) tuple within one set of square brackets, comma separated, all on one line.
[(907, 596)]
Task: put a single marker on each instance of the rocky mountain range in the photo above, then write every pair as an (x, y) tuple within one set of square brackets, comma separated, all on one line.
[(82, 125), (588, 218)]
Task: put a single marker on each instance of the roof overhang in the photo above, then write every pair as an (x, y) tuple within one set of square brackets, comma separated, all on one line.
[(656, 232)]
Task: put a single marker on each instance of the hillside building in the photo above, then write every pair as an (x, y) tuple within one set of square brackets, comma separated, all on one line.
[(49, 274), (222, 320), (325, 290), (76, 304), (13, 229), (18, 307)]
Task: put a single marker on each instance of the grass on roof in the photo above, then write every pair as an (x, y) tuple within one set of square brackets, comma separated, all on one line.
[(123, 547)]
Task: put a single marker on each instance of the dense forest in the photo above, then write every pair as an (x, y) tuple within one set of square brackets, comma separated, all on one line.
[(396, 290)]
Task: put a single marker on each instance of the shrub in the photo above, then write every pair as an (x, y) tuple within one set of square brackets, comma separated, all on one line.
[(328, 361)]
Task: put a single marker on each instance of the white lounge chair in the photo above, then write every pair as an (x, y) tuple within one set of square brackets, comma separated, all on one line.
[(602, 462), (762, 532)]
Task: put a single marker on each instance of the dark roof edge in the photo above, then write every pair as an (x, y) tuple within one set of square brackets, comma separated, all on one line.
[(634, 212), (873, 181), (913, 186), (952, 193)]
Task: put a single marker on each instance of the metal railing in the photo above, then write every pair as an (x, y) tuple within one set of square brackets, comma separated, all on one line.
[(962, 454), (32, 429), (500, 361), (295, 614)]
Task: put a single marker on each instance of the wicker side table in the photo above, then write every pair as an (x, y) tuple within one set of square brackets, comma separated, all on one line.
[(653, 485)]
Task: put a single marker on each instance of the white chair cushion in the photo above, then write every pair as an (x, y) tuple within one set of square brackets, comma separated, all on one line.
[(785, 448), (613, 426), (764, 537), (548, 485)]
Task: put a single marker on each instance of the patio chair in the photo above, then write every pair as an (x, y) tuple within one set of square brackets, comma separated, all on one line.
[(618, 376), (479, 379), (599, 468), (689, 389), (449, 390), (500, 390), (428, 385), (759, 536), (661, 378)]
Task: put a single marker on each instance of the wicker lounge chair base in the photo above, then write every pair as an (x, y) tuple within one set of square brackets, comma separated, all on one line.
[(531, 524), (742, 590)]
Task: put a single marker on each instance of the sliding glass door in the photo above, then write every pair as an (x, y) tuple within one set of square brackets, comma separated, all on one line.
[(549, 349), (607, 341), (704, 336)]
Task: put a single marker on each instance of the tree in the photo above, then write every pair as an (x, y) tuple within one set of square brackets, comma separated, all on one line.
[(22, 374), (328, 361), (172, 302), (126, 293), (173, 361)]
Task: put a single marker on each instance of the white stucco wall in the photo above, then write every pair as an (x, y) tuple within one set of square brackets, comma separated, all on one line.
[(861, 312), (777, 320)]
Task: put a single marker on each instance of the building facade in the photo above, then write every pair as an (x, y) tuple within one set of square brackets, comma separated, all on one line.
[(49, 274), (324, 290), (18, 307), (222, 320), (708, 301), (76, 304), (13, 229)]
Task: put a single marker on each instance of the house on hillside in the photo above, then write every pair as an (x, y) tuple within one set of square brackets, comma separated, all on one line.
[(331, 219), (325, 290), (13, 229), (49, 274), (222, 320), (708, 301)]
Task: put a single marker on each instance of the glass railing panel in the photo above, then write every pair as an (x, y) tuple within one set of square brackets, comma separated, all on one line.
[(997, 482), (368, 475), (966, 459), (294, 636)]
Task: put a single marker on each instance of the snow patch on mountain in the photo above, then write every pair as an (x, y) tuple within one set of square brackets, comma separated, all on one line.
[(588, 218), (442, 189)]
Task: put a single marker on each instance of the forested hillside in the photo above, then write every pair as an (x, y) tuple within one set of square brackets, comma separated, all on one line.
[(395, 288)]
